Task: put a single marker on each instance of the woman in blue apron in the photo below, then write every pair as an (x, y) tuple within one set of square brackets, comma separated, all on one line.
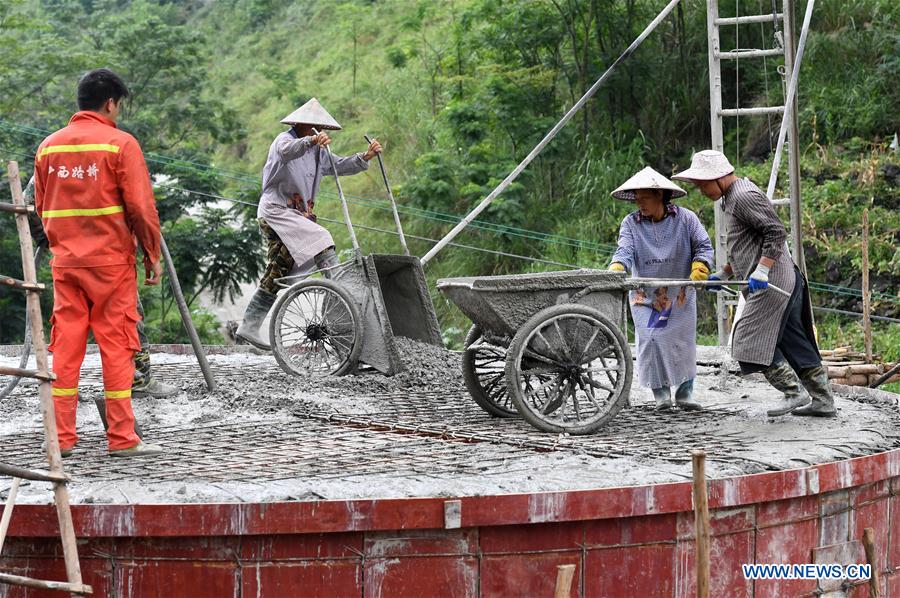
[(662, 240)]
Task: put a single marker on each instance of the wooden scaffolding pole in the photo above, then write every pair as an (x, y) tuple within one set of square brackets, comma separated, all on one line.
[(54, 459), (866, 295)]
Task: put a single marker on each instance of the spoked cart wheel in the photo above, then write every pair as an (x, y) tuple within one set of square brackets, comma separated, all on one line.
[(568, 369), (316, 329), (483, 372)]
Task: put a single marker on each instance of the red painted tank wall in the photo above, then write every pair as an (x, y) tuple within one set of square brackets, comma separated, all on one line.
[(399, 547)]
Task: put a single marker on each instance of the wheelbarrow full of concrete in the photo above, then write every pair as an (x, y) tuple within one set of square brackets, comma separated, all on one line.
[(552, 347), (323, 326), (548, 346), (351, 316)]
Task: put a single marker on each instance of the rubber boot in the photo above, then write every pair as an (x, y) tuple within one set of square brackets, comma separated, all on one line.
[(148, 386), (684, 397), (256, 312), (785, 379), (145, 384), (663, 398), (325, 260), (815, 380)]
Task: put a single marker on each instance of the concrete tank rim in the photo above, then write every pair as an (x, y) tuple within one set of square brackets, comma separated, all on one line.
[(369, 515)]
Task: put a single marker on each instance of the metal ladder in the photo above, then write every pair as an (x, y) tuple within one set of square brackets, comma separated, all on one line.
[(55, 475), (724, 305)]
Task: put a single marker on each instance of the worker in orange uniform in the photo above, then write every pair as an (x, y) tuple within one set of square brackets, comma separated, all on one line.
[(93, 194)]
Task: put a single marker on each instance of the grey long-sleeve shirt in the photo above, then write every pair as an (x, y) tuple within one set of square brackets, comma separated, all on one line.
[(296, 166), (755, 230)]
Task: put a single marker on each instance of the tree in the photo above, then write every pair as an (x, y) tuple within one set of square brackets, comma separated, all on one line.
[(163, 61)]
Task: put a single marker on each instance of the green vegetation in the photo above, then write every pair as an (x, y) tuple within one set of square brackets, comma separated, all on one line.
[(460, 91)]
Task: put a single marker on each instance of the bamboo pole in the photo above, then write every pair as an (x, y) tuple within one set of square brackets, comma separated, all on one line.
[(8, 510), (21, 284), (866, 296), (60, 492), (14, 209), (33, 475), (564, 575), (77, 589), (26, 373), (872, 558), (894, 371), (701, 522)]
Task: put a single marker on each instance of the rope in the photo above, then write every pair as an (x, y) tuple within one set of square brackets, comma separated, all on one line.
[(461, 246)]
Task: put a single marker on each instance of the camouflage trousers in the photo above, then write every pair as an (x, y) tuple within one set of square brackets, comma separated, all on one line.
[(279, 261), (142, 357)]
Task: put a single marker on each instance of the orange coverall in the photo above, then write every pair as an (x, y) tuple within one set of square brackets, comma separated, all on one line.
[(93, 194)]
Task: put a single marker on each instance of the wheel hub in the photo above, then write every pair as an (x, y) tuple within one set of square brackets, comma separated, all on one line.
[(316, 332), (572, 371)]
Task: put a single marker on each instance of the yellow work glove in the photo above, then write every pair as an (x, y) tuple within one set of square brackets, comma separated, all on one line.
[(699, 271), (617, 267)]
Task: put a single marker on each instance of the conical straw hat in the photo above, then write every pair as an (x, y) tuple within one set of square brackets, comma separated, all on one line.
[(707, 165), (311, 113), (647, 179)]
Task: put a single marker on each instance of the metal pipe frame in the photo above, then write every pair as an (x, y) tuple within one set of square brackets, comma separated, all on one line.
[(549, 136), (751, 111), (749, 19), (186, 317)]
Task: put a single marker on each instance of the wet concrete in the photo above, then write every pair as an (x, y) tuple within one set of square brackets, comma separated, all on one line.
[(502, 304), (463, 450)]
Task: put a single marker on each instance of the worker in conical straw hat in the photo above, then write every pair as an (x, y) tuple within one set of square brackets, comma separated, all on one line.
[(774, 334), (295, 242), (662, 240)]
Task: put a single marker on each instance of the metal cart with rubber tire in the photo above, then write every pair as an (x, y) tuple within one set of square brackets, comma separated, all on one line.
[(550, 347), (351, 316), (329, 326)]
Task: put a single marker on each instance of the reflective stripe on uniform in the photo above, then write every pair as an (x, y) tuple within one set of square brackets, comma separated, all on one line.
[(117, 394), (83, 212), (64, 392), (84, 147)]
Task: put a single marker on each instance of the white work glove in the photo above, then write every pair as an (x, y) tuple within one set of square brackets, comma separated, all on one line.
[(759, 280)]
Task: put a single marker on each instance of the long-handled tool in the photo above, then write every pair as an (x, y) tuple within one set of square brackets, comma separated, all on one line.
[(391, 196), (662, 282), (337, 181), (186, 320)]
